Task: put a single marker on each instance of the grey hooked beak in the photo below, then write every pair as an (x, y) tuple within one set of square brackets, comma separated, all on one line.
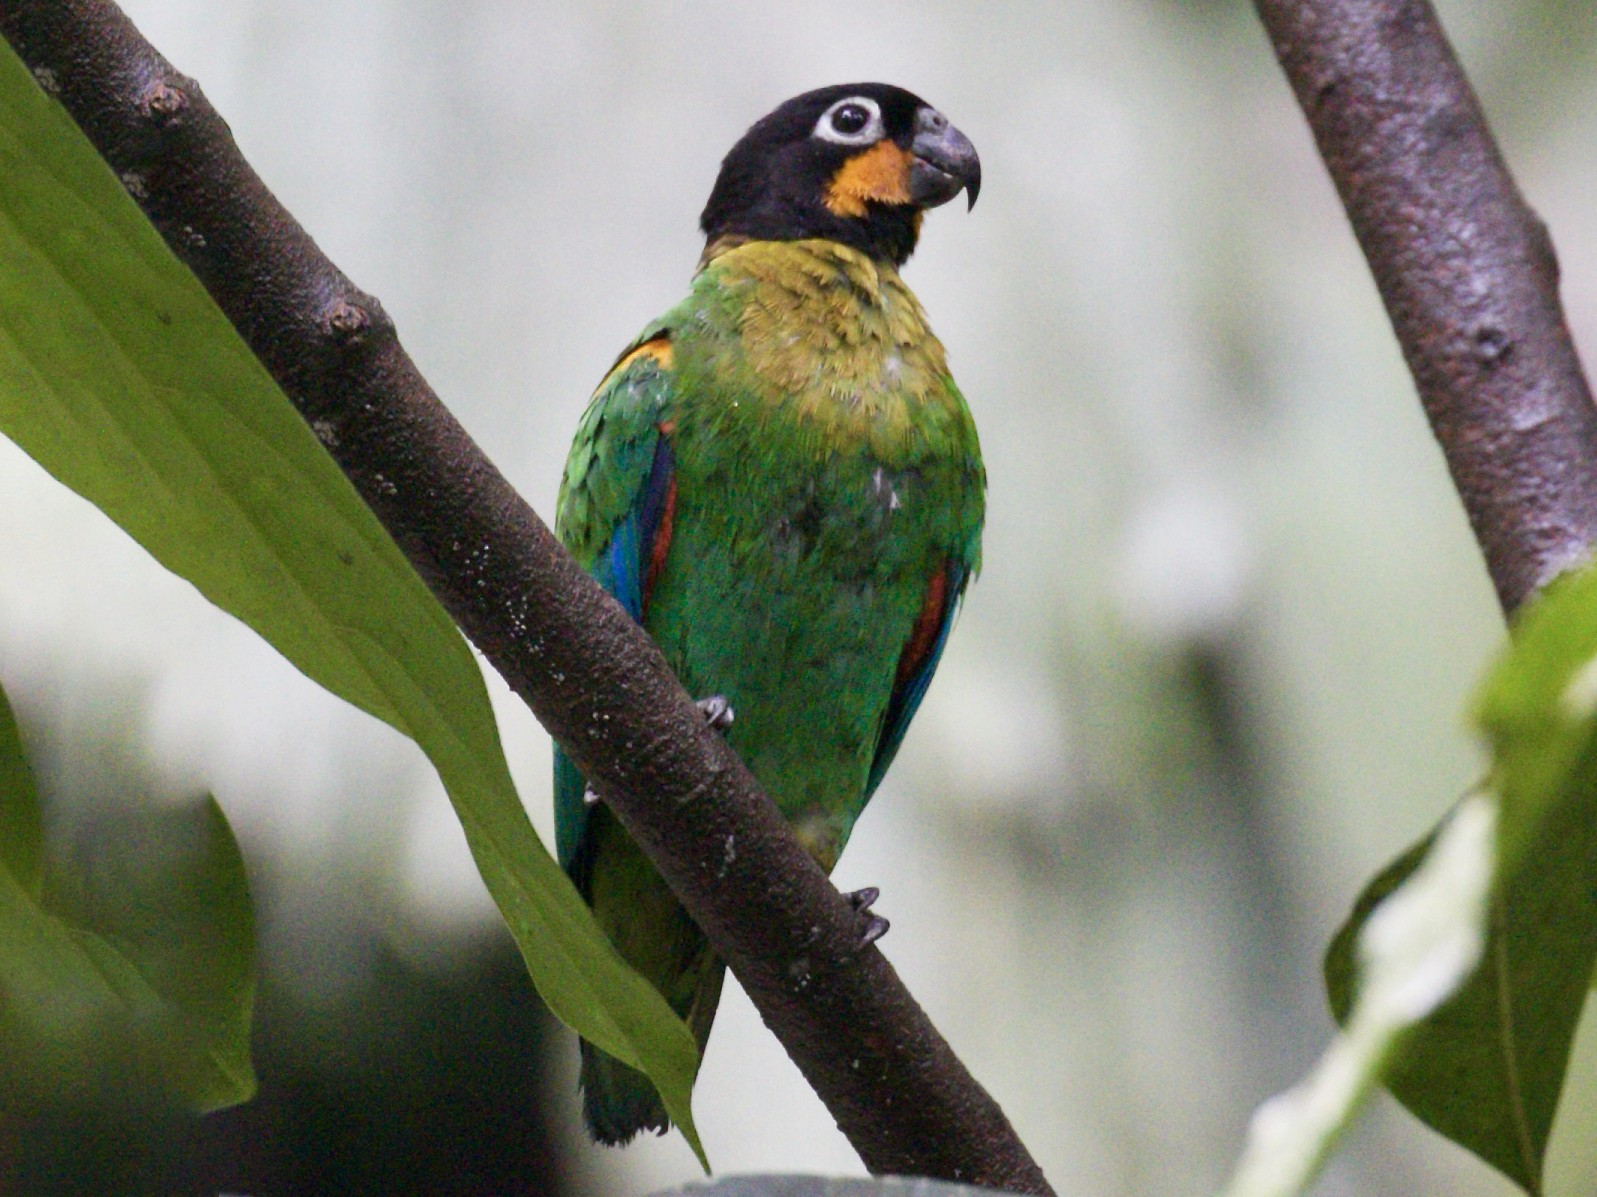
[(945, 162)]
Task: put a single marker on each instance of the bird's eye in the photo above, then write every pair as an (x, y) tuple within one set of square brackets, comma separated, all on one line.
[(856, 120), (850, 119)]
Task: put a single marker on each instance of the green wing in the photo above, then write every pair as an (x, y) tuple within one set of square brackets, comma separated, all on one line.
[(614, 515)]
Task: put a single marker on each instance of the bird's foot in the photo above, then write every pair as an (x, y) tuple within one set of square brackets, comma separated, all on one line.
[(717, 711), (872, 926)]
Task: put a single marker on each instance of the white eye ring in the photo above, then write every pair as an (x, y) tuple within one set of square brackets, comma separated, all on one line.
[(827, 130)]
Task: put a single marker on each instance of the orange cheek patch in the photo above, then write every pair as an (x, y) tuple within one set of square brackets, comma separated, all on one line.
[(880, 173)]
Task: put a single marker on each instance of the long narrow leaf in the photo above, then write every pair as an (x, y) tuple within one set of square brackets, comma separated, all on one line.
[(119, 375)]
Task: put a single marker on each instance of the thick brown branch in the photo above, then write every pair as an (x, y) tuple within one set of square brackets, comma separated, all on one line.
[(1466, 271), (594, 680)]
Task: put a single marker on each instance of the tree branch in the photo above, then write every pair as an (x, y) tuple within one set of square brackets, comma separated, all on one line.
[(588, 672), (1465, 268)]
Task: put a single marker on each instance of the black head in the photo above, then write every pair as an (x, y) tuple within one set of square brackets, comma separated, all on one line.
[(856, 163)]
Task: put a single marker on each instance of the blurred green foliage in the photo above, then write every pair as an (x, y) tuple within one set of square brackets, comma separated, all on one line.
[(130, 970), (1416, 948), (425, 1076), (1487, 1068)]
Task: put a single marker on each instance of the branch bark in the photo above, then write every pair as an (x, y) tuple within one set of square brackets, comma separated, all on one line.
[(588, 672), (1466, 271)]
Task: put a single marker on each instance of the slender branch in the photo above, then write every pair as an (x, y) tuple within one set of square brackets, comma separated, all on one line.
[(1465, 268), (588, 672)]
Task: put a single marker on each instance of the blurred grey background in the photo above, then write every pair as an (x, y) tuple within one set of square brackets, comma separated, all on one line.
[(1213, 673)]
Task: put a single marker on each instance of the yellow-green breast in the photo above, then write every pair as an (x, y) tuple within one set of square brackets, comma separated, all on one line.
[(827, 468)]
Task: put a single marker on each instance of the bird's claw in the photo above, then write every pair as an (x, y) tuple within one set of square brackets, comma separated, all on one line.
[(717, 711), (872, 926), (863, 899)]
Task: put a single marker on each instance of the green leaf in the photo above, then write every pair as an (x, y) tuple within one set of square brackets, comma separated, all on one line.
[(1418, 944), (120, 377), (1487, 1068), (139, 973), (21, 831)]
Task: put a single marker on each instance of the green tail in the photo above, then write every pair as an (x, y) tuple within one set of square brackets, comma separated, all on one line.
[(617, 1101), (640, 914)]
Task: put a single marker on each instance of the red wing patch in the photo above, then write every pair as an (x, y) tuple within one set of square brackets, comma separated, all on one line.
[(923, 636), (660, 544), (662, 541)]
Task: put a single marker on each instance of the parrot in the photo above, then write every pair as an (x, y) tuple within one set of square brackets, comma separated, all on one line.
[(779, 480)]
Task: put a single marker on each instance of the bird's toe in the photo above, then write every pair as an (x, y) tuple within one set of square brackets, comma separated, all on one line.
[(717, 711)]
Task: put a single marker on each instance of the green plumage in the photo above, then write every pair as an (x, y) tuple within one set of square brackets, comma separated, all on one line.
[(782, 483), (826, 470)]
